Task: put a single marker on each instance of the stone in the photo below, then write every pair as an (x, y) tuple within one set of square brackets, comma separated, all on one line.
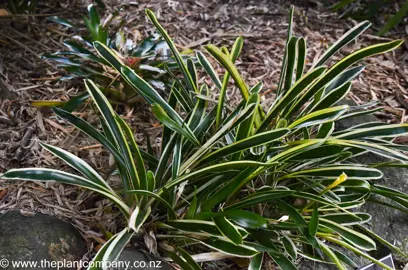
[(140, 260), (39, 237)]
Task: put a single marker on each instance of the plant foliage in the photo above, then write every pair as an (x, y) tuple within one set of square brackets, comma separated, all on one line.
[(249, 181), (148, 58)]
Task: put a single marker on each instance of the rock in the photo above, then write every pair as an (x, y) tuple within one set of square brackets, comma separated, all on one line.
[(139, 260), (39, 237), (390, 224)]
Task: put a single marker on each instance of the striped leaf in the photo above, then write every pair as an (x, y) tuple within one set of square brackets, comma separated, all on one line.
[(376, 131), (349, 36), (253, 141), (183, 130), (110, 118), (256, 262), (227, 63), (228, 229), (116, 246), (205, 63), (332, 172), (34, 174), (357, 239), (319, 117), (182, 66)]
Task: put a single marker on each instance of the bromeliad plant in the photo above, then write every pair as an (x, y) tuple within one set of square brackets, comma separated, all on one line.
[(251, 182), (148, 59)]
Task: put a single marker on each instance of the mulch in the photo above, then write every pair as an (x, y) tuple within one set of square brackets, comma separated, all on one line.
[(24, 77)]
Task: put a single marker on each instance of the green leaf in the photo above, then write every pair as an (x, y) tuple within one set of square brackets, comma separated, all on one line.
[(183, 68), (227, 63), (149, 93), (381, 240), (236, 50), (283, 262), (216, 169), (230, 248), (326, 250), (205, 63), (253, 141), (290, 95), (199, 109), (193, 207), (168, 122), (290, 64), (138, 218), (61, 21), (141, 171), (301, 58), (346, 219), (115, 248), (108, 55), (357, 251), (333, 172), (344, 77), (396, 19), (259, 197), (374, 148), (376, 131), (319, 117), (314, 222), (289, 247), (110, 118), (333, 97), (190, 261), (256, 262), (78, 164), (228, 229), (171, 212), (246, 128), (34, 174), (349, 36), (91, 131), (342, 65), (226, 127), (325, 130), (285, 55), (357, 239), (180, 261)]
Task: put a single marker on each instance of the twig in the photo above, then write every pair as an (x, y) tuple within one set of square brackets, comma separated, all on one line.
[(5, 120), (401, 100), (25, 142), (31, 39), (20, 44)]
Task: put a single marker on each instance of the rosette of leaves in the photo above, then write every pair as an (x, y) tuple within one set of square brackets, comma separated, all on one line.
[(148, 59), (278, 183)]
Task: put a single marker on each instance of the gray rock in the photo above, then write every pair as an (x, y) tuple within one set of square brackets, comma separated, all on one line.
[(140, 260), (39, 237)]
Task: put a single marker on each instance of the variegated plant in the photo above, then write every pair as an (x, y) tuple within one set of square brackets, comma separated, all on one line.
[(278, 183)]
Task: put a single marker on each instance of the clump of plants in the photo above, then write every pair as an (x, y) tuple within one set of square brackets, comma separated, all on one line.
[(279, 183), (148, 58)]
